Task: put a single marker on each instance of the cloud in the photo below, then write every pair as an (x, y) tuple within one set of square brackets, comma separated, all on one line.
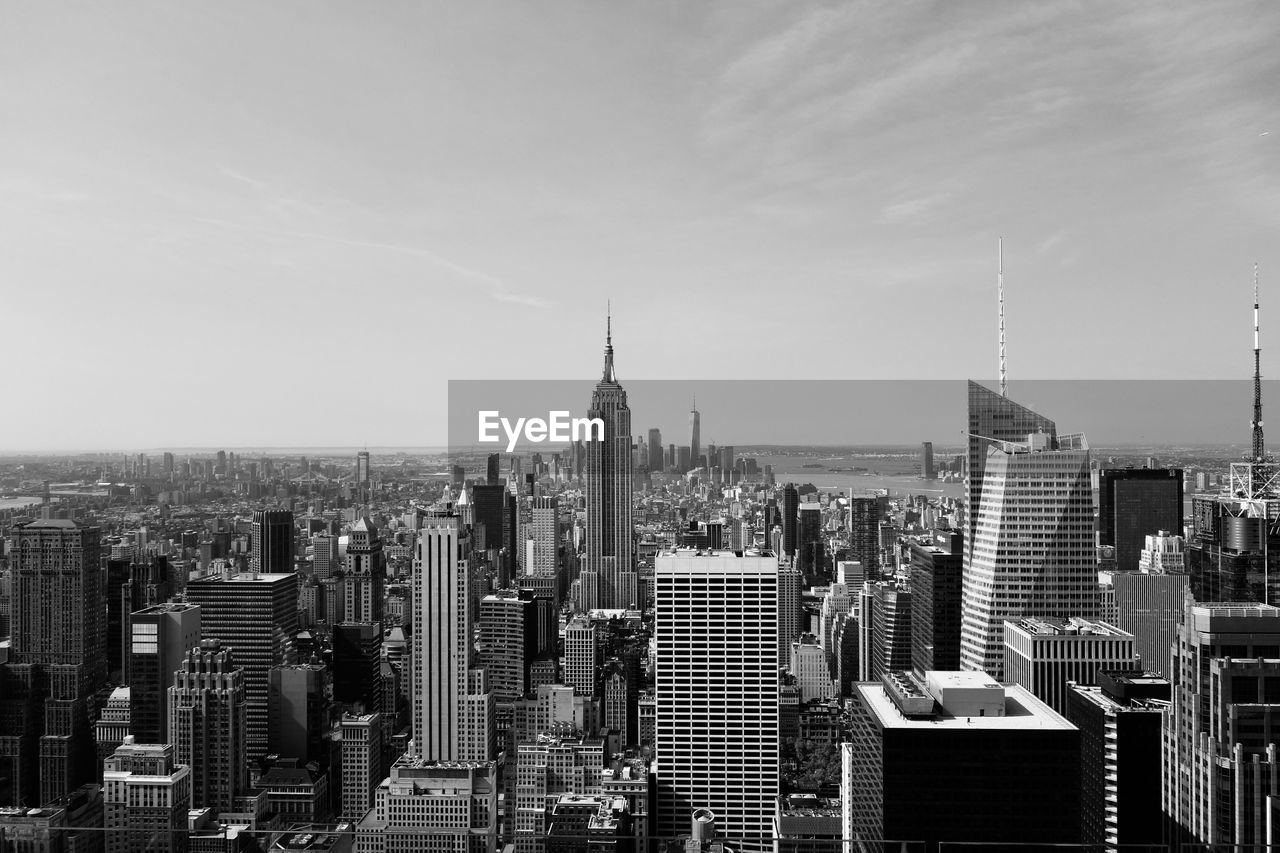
[(905, 211), (1051, 242)]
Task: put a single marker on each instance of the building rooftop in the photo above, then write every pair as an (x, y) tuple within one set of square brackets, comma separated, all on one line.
[(808, 805), (1022, 710), (1070, 627)]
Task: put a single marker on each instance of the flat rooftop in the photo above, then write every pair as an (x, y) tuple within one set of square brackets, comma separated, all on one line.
[(1075, 626), (1022, 710)]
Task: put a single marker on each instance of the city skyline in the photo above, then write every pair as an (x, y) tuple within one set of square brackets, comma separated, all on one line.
[(838, 162)]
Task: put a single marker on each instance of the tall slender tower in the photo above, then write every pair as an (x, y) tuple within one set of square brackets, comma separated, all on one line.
[(1004, 384), (610, 529), (452, 708), (695, 434), (1259, 446)]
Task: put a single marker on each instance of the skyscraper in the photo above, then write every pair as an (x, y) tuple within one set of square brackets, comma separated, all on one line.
[(809, 549), (790, 520), (543, 550), (926, 461), (695, 434), (864, 533), (256, 616), (57, 659), (492, 477), (936, 590), (365, 574), (1134, 503), (1043, 654), (362, 469), (271, 541), (993, 418), (581, 656), (451, 707), (146, 794), (717, 730), (655, 450), (207, 725), (1220, 763), (508, 642), (161, 637), (1034, 553), (610, 529)]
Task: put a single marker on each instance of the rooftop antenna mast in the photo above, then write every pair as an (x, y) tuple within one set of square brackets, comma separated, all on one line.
[(1004, 379), (1259, 448)]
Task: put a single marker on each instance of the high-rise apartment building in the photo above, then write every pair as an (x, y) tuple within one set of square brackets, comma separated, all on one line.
[(1044, 653), (57, 660), (508, 642), (146, 795), (452, 708), (256, 616), (717, 721), (610, 531), (1034, 551), (161, 637), (324, 556), (207, 725), (271, 541), (890, 628), (1134, 503)]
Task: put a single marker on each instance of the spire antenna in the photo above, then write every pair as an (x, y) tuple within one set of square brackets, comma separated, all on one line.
[(1259, 447), (608, 375), (1004, 378)]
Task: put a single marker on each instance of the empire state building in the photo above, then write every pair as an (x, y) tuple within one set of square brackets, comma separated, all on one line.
[(609, 579)]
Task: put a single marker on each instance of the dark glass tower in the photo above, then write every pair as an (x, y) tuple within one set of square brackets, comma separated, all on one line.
[(790, 511), (1134, 503), (609, 527), (271, 545)]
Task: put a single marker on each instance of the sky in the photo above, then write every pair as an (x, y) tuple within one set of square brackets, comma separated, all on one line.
[(291, 223)]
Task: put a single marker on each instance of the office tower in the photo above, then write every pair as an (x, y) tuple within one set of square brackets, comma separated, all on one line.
[(727, 462), (790, 511), (890, 629), (489, 505), (207, 725), (116, 577), (926, 461), (256, 616), (684, 463), (508, 642), (1219, 762), (1119, 723), (837, 602), (362, 470), (146, 794), (864, 533), (936, 587), (622, 681), (544, 536), (717, 685), (161, 637), (491, 475), (581, 656), (457, 476), (271, 541), (993, 418), (809, 539), (695, 435), (1134, 503), (325, 562), (361, 763), (845, 640), (57, 660), (357, 666), (608, 493), (1149, 601), (440, 806), (365, 578), (810, 666), (298, 712), (955, 757), (1034, 553), (451, 707), (150, 583), (655, 450), (1043, 653), (552, 765)]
